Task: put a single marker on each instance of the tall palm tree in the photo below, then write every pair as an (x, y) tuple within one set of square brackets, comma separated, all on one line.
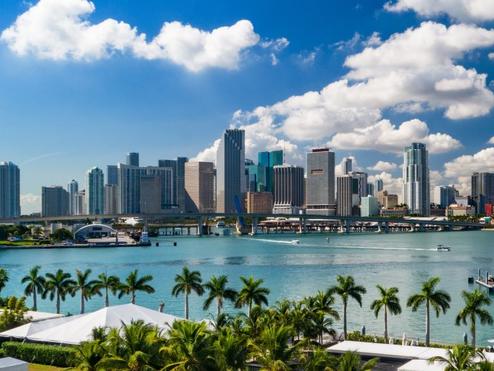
[(58, 285), (252, 293), (107, 283), (218, 291), (475, 302), (428, 295), (35, 284), (4, 278), (347, 289), (187, 282), (459, 358), (389, 301), (85, 286), (273, 350), (133, 283)]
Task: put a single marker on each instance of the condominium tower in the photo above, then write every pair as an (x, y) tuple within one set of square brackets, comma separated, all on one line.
[(199, 187), (416, 179), (9, 190), (320, 182), (95, 191), (288, 189)]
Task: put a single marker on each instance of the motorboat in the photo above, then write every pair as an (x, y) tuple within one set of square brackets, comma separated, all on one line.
[(295, 242), (443, 248)]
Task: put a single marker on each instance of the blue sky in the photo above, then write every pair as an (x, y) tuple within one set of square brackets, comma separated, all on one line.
[(67, 105)]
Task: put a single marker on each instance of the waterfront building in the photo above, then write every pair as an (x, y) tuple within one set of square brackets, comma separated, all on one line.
[(320, 182), (132, 159), (111, 174), (444, 196), (259, 202), (416, 179), (397, 212), (460, 210), (378, 185), (73, 189), (390, 201), (128, 187), (288, 189), (482, 190), (10, 206), (54, 201), (150, 194), (80, 203), (178, 168), (344, 187), (168, 194), (95, 191), (265, 173), (111, 199), (230, 171), (251, 174), (199, 187), (347, 165), (369, 206)]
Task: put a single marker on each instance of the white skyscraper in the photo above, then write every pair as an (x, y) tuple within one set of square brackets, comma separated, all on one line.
[(95, 191), (416, 179), (73, 189)]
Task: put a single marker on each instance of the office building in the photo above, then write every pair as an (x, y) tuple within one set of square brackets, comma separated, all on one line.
[(320, 182), (10, 206), (150, 194), (369, 206), (230, 171), (370, 189), (444, 196), (359, 184), (111, 199), (347, 165), (259, 202), (390, 201), (416, 179), (132, 159), (482, 190), (73, 189), (199, 187), (167, 180), (112, 174), (54, 201), (81, 203), (128, 189), (378, 185), (95, 191), (288, 189), (265, 173), (251, 175), (178, 168), (344, 187)]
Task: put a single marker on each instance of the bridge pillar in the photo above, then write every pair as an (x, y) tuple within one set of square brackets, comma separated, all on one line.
[(254, 226), (386, 227), (301, 225), (421, 228), (200, 222)]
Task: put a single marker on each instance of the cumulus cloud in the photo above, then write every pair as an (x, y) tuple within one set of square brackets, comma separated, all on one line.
[(491, 140), (393, 185), (491, 56), (463, 10), (30, 203), (60, 30), (383, 166), (386, 137)]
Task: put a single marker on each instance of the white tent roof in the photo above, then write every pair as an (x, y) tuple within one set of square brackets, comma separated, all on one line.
[(75, 329), (39, 316), (422, 365)]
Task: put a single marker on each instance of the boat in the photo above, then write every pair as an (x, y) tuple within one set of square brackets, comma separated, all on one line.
[(295, 242), (443, 248)]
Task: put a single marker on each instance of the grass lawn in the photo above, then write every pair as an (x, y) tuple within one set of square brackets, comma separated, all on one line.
[(34, 367), (18, 243)]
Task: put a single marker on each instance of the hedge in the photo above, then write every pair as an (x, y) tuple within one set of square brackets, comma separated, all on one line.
[(53, 355)]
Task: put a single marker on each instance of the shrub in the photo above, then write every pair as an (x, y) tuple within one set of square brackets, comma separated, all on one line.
[(54, 355)]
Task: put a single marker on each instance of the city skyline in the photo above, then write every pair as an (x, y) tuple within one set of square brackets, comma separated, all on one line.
[(278, 83)]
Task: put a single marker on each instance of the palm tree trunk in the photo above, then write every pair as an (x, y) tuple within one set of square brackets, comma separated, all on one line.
[(427, 324), (186, 306), (250, 308), (107, 299), (133, 301), (472, 329), (58, 302), (386, 324), (344, 320), (82, 303), (35, 304), (219, 307)]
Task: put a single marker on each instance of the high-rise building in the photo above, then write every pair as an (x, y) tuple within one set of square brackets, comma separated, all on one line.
[(320, 182), (73, 189), (370, 189), (359, 184), (111, 199), (378, 185), (265, 173), (344, 187), (128, 189), (178, 168), (167, 183), (112, 174), (150, 194), (482, 190), (369, 206), (259, 202), (251, 175), (444, 196), (199, 187), (54, 201), (416, 192), (80, 203), (95, 191), (10, 206), (288, 189), (132, 159), (230, 171), (347, 165)]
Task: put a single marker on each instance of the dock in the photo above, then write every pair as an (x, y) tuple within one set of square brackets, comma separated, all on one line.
[(487, 282)]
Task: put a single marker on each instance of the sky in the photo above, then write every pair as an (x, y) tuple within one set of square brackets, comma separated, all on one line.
[(84, 82)]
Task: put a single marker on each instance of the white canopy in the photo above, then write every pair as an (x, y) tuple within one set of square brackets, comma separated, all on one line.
[(75, 329)]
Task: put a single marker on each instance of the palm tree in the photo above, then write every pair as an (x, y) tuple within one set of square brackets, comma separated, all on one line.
[(88, 356), (219, 292), (4, 278), (107, 283), (58, 285), (35, 285), (187, 282), (85, 286), (347, 289), (459, 358), (319, 360), (475, 302), (438, 299), (230, 350), (388, 301), (351, 361), (134, 283), (273, 350), (252, 293)]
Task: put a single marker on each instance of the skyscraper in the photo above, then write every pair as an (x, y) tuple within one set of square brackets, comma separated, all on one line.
[(178, 168), (347, 164), (378, 185), (266, 161), (73, 189), (288, 189), (10, 206), (482, 190), (199, 187), (111, 174), (128, 189), (416, 179), (150, 194), (132, 159), (230, 170), (444, 196), (95, 191), (344, 191), (111, 199), (54, 201), (320, 182)]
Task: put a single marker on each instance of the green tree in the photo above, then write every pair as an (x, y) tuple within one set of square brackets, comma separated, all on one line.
[(251, 293), (85, 286), (89, 355), (35, 284), (62, 234), (428, 295), (133, 283), (347, 289), (230, 350), (13, 314), (217, 290), (319, 360), (108, 284), (351, 361), (272, 350), (459, 358), (474, 308), (57, 286), (4, 278), (186, 283), (389, 301)]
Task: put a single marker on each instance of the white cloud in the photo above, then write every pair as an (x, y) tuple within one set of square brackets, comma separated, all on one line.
[(393, 185), (463, 10), (383, 166), (373, 40), (491, 56), (30, 203), (276, 45), (339, 169), (491, 140), (386, 137), (307, 58), (60, 30)]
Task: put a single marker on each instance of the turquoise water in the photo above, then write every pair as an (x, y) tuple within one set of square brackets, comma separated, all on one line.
[(403, 260)]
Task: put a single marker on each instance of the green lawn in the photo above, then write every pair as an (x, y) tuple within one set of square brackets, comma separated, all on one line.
[(18, 243), (34, 367)]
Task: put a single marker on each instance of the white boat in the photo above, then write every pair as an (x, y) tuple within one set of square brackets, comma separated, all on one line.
[(295, 242), (443, 248)]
